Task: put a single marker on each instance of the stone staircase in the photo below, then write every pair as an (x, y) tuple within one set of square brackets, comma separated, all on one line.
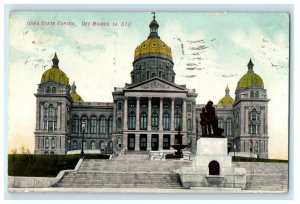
[(126, 171), (265, 176)]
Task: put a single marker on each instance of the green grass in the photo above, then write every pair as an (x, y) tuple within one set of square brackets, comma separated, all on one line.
[(44, 165), (247, 159)]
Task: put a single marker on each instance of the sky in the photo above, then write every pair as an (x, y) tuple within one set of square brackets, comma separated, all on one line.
[(210, 50)]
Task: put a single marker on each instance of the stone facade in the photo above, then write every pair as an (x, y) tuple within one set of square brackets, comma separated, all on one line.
[(146, 113)]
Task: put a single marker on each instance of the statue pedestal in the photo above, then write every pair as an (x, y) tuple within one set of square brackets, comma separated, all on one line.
[(212, 167)]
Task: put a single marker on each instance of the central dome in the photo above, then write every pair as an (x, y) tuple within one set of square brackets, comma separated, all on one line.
[(152, 58), (152, 46)]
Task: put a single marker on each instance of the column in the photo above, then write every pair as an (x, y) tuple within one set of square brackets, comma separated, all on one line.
[(160, 142), (125, 141), (148, 142), (41, 118), (194, 118), (149, 114), (172, 114), (161, 114), (125, 113), (137, 125), (59, 117), (184, 115), (137, 142)]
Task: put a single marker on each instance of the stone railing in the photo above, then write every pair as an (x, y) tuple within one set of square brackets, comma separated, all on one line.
[(161, 154)]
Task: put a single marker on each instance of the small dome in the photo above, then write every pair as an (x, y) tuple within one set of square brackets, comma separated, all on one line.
[(153, 46), (250, 79), (55, 74), (227, 100), (75, 96)]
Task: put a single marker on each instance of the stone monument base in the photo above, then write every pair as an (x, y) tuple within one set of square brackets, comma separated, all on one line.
[(212, 167)]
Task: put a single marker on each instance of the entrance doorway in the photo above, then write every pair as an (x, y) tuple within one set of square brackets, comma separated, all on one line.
[(214, 168), (131, 141), (154, 142), (143, 142), (166, 142)]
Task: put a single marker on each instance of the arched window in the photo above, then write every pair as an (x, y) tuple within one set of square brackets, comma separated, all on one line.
[(119, 123), (93, 145), (189, 125), (93, 124), (51, 111), (110, 124), (177, 120), (102, 146), (53, 89), (119, 142), (52, 143), (102, 125), (48, 90), (221, 123), (253, 115), (166, 121), (131, 121), (84, 119), (75, 124), (154, 122), (251, 94), (229, 126), (47, 143), (143, 121), (119, 106), (74, 145), (256, 94)]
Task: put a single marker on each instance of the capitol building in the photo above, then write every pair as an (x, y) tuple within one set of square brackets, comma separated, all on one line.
[(146, 113)]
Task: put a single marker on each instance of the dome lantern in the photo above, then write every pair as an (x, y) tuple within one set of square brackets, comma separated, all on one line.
[(75, 96), (250, 66), (227, 100), (153, 28), (55, 61)]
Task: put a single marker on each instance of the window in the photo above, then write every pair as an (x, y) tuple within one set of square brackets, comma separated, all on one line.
[(143, 121), (119, 123), (253, 115), (110, 124), (166, 121), (93, 124), (256, 94), (52, 143), (154, 123), (228, 126), (47, 143), (189, 125), (51, 111), (153, 75), (131, 121), (84, 119), (74, 145), (256, 148), (93, 145), (221, 123), (102, 146), (75, 124), (50, 126), (102, 126), (53, 89), (119, 106), (48, 90), (189, 107), (251, 94), (166, 142), (119, 142), (177, 120)]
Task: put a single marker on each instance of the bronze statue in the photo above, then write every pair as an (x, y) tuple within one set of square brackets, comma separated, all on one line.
[(209, 121)]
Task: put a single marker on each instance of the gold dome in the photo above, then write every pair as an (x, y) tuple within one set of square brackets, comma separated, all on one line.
[(153, 45), (74, 95), (227, 100), (55, 74)]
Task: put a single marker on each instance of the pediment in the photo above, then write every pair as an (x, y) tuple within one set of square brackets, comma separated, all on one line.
[(155, 84)]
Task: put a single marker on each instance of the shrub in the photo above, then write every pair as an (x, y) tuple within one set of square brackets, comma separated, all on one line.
[(248, 159)]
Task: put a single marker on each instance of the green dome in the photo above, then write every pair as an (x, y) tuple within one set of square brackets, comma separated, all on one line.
[(55, 74), (227, 100), (250, 79), (74, 95)]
